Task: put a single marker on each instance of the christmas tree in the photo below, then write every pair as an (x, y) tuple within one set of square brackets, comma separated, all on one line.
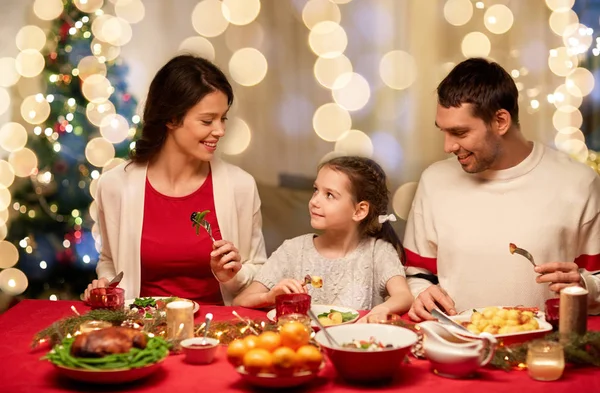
[(81, 123)]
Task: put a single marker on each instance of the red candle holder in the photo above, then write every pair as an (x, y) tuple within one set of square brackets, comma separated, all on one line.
[(292, 303), (107, 298), (552, 312)]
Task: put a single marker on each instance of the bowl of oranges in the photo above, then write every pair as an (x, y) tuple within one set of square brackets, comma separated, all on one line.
[(277, 359)]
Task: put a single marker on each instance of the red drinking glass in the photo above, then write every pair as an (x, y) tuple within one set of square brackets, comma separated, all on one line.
[(552, 307), (107, 298), (292, 303)]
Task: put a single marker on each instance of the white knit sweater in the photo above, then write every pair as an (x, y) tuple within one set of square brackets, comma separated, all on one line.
[(461, 224)]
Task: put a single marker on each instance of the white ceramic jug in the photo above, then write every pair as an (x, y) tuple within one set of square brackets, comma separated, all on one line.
[(453, 355)]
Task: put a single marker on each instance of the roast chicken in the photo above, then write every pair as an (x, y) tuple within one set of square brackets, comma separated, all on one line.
[(108, 341)]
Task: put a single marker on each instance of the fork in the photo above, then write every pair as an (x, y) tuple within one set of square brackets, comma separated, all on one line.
[(198, 221), (514, 249)]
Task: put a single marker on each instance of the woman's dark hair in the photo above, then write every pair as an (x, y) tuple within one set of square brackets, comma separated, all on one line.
[(483, 84), (368, 183), (177, 86)]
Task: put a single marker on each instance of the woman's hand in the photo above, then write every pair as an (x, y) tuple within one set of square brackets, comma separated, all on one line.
[(102, 282), (287, 285), (225, 260)]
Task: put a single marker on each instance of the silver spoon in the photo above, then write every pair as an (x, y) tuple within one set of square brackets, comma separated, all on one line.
[(209, 318), (516, 250), (329, 336)]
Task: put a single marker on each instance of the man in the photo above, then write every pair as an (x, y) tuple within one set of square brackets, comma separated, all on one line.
[(499, 189)]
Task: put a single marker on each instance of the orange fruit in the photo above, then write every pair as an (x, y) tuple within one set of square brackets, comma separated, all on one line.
[(269, 341), (258, 360), (294, 335), (284, 361), (236, 351), (251, 341), (309, 357)]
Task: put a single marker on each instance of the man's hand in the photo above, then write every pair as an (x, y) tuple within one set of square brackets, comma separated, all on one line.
[(559, 274), (432, 297)]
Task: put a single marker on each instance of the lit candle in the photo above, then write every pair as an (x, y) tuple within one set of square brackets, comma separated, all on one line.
[(180, 320), (572, 311), (89, 326), (545, 360)]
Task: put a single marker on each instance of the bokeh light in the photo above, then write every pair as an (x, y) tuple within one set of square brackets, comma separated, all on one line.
[(328, 39), (240, 12), (351, 91), (4, 100), (104, 51), (498, 19), (13, 137), (458, 12), (398, 69), (237, 137), (208, 19), (355, 143), (133, 11), (402, 199), (561, 62), (47, 9), (555, 5), (316, 11), (13, 281), (88, 6), (24, 162), (114, 128), (30, 63), (565, 117), (35, 109), (96, 112), (248, 66), (90, 65), (9, 255), (476, 44), (198, 46), (99, 152), (96, 88), (31, 37), (328, 70), (330, 121), (7, 174), (560, 20), (580, 81), (116, 31), (8, 72)]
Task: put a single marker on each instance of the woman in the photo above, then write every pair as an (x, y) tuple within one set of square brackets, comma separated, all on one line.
[(145, 205)]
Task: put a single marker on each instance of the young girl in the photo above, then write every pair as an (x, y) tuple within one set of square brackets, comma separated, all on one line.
[(358, 253)]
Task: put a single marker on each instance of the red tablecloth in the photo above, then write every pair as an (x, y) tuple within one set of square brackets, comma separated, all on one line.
[(22, 371)]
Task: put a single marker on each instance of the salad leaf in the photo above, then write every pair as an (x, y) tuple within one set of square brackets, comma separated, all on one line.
[(141, 302), (346, 316)]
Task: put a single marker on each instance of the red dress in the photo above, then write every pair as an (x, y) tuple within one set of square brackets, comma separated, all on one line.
[(174, 260)]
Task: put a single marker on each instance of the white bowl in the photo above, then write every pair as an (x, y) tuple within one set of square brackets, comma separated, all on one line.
[(367, 366), (197, 353)]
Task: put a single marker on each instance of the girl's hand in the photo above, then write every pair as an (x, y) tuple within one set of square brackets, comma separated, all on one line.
[(287, 285), (225, 260)]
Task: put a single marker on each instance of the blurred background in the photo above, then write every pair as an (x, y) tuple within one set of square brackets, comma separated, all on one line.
[(312, 79)]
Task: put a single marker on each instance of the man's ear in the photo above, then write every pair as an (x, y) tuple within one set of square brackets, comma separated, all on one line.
[(502, 122), (361, 211)]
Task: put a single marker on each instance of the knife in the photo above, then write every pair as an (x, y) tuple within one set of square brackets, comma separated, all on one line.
[(112, 284), (446, 320), (115, 281)]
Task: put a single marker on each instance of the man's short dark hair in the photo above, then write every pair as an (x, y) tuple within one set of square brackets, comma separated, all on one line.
[(483, 84)]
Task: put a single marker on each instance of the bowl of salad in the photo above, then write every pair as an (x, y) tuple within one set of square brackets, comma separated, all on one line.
[(367, 352)]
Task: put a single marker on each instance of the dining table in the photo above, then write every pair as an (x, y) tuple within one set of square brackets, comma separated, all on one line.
[(23, 371)]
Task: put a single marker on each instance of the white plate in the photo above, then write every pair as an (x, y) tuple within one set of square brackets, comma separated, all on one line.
[(544, 326), (320, 309), (129, 302)]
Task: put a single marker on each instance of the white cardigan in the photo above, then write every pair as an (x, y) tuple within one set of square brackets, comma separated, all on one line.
[(120, 198)]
